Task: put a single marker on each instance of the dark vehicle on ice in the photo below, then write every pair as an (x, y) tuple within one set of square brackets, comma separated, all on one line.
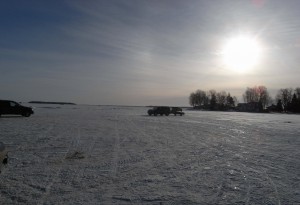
[(162, 110), (8, 107), (177, 111), (165, 110)]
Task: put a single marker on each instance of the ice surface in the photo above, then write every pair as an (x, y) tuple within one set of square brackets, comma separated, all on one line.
[(119, 155)]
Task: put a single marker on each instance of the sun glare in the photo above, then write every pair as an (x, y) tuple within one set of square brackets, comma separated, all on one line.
[(241, 54)]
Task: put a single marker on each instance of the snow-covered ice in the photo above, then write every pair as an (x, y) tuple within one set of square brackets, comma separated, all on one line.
[(119, 155)]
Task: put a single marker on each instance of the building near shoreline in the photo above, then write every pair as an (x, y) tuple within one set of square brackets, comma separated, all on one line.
[(250, 107)]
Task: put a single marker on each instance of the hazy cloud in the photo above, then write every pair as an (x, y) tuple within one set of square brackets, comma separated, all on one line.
[(137, 52)]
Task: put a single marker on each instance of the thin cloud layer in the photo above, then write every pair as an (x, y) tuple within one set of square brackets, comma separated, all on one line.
[(140, 52)]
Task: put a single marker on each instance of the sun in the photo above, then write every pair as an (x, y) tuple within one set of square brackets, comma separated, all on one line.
[(241, 54)]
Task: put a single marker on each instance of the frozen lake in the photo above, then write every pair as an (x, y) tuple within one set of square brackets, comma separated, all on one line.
[(119, 155)]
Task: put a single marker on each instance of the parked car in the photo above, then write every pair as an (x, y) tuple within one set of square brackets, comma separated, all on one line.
[(161, 110), (8, 107), (177, 111), (3, 156)]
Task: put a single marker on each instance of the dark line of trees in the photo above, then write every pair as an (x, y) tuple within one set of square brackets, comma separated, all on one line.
[(286, 100), (212, 100)]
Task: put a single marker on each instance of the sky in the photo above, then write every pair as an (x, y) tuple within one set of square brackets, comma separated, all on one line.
[(142, 52)]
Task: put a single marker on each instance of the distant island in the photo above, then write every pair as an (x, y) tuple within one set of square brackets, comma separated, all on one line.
[(55, 103)]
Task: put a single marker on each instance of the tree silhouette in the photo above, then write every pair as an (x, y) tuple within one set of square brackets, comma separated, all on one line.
[(285, 95), (212, 100), (257, 94), (192, 99), (279, 106), (294, 102), (221, 100), (230, 101)]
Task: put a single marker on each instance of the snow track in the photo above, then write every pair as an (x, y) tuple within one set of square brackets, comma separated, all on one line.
[(119, 155)]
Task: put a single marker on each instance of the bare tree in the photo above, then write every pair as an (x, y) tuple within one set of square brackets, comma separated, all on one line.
[(211, 93), (221, 99), (192, 99), (200, 97), (250, 95), (297, 92), (285, 95), (197, 98), (235, 100), (257, 94), (263, 95)]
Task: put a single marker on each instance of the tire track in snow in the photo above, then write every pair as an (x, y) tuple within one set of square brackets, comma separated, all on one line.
[(239, 140), (236, 134), (86, 149), (54, 177), (150, 138), (114, 161), (129, 123), (32, 184), (137, 200), (28, 144), (274, 187)]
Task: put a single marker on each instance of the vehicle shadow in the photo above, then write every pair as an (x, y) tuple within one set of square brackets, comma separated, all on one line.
[(11, 116), (158, 115)]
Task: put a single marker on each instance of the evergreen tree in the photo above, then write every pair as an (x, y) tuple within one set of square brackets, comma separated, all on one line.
[(279, 106), (213, 101), (293, 106), (229, 101)]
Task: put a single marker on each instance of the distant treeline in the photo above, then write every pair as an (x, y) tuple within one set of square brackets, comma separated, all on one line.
[(286, 100), (55, 103), (212, 100)]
